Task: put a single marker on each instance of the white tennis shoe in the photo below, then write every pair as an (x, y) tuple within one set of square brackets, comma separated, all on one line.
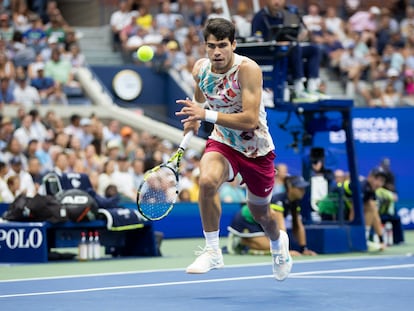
[(207, 260), (281, 260)]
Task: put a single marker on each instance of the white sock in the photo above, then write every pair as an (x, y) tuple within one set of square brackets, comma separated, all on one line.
[(313, 84), (275, 245), (298, 86), (212, 239)]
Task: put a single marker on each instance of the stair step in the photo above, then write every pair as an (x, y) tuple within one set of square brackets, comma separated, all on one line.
[(96, 45)]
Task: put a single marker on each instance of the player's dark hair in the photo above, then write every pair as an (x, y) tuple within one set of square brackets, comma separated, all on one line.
[(220, 28)]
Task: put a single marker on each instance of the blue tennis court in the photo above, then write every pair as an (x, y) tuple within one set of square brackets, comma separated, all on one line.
[(368, 283)]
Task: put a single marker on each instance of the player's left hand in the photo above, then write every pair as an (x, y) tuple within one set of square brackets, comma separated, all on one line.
[(191, 110)]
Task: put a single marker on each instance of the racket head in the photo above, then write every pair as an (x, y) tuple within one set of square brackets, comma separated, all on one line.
[(158, 192)]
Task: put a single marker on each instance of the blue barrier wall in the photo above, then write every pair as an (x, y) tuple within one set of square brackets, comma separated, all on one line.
[(159, 91)]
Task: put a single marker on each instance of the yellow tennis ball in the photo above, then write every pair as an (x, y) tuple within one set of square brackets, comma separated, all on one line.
[(145, 53)]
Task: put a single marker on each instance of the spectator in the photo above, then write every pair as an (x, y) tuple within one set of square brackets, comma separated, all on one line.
[(315, 24), (92, 161), (13, 184), (113, 148), (56, 27), (46, 52), (25, 132), (25, 184), (144, 19), (6, 92), (44, 156), (334, 24), (34, 170), (391, 98), (25, 94), (44, 85), (197, 17), (321, 180), (242, 20), (105, 178), (75, 56), (60, 71), (217, 11), (119, 19), (276, 13), (365, 20), (280, 176), (138, 171), (407, 23), (74, 127), (23, 54), (130, 30), (245, 232), (35, 36), (6, 196), (61, 162), (6, 28), (160, 62), (7, 69), (166, 19), (58, 97), (31, 148), (6, 133), (369, 186), (20, 16), (86, 135), (123, 179), (176, 57)]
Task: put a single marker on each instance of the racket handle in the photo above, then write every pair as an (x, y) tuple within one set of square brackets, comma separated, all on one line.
[(186, 139)]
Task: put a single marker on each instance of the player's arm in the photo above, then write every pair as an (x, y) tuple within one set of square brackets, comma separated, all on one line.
[(250, 80)]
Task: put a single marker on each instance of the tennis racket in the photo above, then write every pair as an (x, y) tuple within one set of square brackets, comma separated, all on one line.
[(158, 191)]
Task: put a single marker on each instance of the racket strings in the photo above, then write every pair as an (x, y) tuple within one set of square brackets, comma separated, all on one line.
[(158, 193)]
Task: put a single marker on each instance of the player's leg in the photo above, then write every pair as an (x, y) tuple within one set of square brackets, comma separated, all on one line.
[(279, 241), (214, 171), (258, 175)]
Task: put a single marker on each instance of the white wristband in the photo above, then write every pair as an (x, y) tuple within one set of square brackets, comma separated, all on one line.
[(211, 116)]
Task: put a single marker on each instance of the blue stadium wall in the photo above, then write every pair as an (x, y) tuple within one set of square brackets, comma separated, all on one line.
[(378, 133)]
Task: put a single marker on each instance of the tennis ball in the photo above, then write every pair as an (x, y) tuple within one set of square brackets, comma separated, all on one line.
[(145, 53)]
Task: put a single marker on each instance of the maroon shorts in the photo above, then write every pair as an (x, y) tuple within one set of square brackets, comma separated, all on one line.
[(258, 173)]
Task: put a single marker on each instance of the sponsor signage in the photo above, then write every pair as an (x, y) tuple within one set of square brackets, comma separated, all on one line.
[(23, 242)]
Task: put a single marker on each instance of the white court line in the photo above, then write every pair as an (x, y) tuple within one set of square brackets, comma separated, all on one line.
[(350, 277), (313, 274), (308, 261)]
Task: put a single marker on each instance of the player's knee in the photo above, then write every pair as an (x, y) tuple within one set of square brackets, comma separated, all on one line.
[(208, 185)]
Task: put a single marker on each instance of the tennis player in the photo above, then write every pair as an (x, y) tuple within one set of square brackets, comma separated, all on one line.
[(228, 93)]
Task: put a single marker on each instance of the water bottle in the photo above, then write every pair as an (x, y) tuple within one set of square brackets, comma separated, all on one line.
[(96, 246), (83, 248), (91, 245), (389, 233)]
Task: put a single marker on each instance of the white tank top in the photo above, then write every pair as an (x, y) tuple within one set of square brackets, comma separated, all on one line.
[(223, 94)]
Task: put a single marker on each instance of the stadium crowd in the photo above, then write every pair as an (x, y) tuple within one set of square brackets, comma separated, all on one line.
[(368, 49)]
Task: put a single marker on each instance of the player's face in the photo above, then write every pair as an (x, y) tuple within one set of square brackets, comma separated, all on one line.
[(220, 53)]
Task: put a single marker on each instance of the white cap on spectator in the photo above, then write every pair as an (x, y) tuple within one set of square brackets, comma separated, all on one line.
[(112, 144), (38, 66), (52, 40), (375, 10), (85, 122), (392, 72)]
